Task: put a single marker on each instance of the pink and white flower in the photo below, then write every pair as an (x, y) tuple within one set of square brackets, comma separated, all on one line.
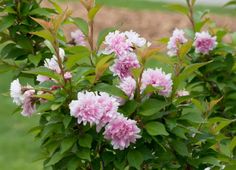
[(16, 92), (28, 104), (157, 78), (177, 39), (128, 86), (124, 64), (117, 43), (53, 65), (78, 37), (204, 42), (122, 132), (68, 75), (86, 108), (109, 106)]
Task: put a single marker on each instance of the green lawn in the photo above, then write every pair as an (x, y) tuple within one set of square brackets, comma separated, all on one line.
[(17, 147)]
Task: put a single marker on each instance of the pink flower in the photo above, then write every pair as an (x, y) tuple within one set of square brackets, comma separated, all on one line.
[(128, 86), (109, 106), (42, 79), (86, 108), (182, 93), (53, 65), (78, 37), (177, 38), (16, 92), (157, 78), (204, 42), (117, 43), (68, 75), (123, 65), (28, 104), (121, 131)]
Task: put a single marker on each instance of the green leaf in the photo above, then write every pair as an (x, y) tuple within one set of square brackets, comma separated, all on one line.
[(129, 107), (41, 11), (55, 158), (66, 121), (192, 114), (44, 72), (232, 144), (46, 96), (113, 90), (6, 22), (102, 65), (92, 13), (180, 147), (84, 153), (82, 24), (102, 35), (67, 143), (85, 141), (44, 34), (217, 124), (135, 159), (187, 72), (35, 59), (73, 164), (152, 106), (156, 128), (78, 54)]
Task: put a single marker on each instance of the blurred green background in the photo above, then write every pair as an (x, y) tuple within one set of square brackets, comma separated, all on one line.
[(17, 146)]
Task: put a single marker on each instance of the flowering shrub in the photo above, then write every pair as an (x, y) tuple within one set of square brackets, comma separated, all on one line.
[(121, 103)]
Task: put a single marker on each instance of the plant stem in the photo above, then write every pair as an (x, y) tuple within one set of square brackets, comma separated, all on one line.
[(91, 40), (191, 14)]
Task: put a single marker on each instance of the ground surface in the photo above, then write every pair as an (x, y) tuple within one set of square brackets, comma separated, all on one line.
[(151, 24)]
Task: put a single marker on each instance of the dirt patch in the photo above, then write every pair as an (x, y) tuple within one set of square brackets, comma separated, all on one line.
[(150, 24)]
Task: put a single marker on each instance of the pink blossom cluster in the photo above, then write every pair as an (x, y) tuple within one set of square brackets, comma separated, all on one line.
[(122, 44), (53, 65), (204, 42), (175, 41), (23, 96), (128, 86), (124, 64), (157, 78), (102, 110), (78, 37)]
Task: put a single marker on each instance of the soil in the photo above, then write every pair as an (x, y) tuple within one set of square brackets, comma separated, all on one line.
[(150, 24)]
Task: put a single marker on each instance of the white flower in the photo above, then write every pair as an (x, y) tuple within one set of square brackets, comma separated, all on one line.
[(135, 38), (16, 92)]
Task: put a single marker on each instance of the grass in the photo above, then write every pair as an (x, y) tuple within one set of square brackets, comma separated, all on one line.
[(17, 147)]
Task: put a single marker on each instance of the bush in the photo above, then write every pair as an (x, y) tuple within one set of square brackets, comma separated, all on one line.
[(122, 103)]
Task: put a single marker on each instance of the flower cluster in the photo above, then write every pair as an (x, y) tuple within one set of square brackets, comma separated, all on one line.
[(157, 78), (23, 96), (123, 65), (122, 44), (102, 110), (204, 42), (128, 86), (177, 39)]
